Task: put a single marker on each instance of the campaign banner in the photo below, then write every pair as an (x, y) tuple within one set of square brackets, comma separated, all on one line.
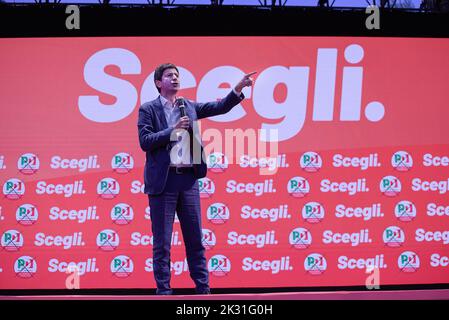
[(333, 171)]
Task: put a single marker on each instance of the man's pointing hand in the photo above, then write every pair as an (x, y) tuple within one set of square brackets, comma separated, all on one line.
[(246, 81)]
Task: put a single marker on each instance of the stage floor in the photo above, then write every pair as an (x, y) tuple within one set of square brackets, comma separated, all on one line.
[(434, 294)]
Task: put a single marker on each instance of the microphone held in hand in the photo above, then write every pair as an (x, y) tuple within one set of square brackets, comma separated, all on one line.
[(180, 103)]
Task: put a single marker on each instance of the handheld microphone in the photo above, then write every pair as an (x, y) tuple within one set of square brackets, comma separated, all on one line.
[(180, 103)]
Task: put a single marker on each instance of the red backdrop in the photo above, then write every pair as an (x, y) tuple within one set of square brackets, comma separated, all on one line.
[(69, 109)]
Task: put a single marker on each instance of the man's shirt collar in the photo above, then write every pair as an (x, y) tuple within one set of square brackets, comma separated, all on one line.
[(165, 103)]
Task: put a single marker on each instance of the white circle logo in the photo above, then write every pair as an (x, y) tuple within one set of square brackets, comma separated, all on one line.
[(218, 213), (313, 212), (28, 163), (217, 162), (27, 214), (25, 267), (310, 161), (122, 214), (12, 240), (402, 161), (405, 211), (408, 261), (393, 237), (298, 187), (13, 189), (315, 264), (209, 240), (122, 162), (108, 240), (390, 186), (108, 188), (219, 265), (300, 238), (206, 187), (122, 266)]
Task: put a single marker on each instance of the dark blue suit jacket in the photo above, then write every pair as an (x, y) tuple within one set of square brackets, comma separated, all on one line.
[(154, 137)]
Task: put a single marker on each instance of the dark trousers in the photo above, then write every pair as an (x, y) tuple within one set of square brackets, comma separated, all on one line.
[(181, 194)]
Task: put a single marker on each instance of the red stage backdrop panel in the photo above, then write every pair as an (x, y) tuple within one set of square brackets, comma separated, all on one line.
[(357, 191)]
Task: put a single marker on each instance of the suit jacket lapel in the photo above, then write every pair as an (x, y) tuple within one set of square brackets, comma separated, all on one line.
[(161, 114)]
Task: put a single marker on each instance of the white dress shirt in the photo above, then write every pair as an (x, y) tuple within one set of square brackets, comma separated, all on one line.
[(182, 158)]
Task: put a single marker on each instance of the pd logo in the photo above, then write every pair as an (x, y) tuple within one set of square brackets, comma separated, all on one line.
[(12, 240), (206, 187), (108, 240), (217, 162), (402, 161), (219, 265), (122, 266), (122, 162), (108, 188), (390, 186), (315, 264), (28, 163), (218, 213), (310, 161), (209, 240), (298, 187), (313, 212), (405, 211), (25, 267), (300, 238), (13, 189), (393, 237), (408, 261), (122, 213), (27, 214)]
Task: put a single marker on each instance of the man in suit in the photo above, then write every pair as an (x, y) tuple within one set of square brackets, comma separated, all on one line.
[(171, 172)]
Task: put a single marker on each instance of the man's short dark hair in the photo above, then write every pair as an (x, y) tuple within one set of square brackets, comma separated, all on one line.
[(160, 71)]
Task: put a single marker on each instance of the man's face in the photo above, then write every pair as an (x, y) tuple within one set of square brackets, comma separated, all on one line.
[(170, 81)]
